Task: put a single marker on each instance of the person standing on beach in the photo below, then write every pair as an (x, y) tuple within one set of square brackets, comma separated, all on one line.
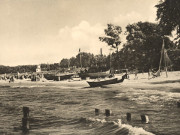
[(149, 74), (136, 72)]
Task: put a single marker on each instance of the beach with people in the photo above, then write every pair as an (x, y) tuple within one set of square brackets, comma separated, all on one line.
[(90, 67), (172, 80)]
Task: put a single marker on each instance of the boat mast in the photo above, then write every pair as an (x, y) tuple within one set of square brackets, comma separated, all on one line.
[(162, 51), (101, 52), (110, 58), (101, 59), (165, 61), (80, 57), (68, 63)]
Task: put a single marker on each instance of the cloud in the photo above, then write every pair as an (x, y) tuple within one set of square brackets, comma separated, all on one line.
[(133, 17), (84, 36), (151, 17), (124, 20), (52, 49), (136, 16)]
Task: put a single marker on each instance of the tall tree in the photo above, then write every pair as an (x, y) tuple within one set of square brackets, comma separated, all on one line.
[(112, 38), (64, 63), (86, 59), (168, 14), (74, 62)]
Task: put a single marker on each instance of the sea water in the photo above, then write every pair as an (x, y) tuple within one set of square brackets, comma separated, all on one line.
[(69, 110)]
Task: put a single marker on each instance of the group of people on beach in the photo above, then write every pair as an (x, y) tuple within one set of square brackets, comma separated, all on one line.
[(151, 74)]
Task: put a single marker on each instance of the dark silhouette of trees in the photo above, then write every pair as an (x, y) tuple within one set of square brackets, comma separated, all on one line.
[(15, 69), (143, 47), (64, 63), (168, 14), (87, 59), (74, 62)]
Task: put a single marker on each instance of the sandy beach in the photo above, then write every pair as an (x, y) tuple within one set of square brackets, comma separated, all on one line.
[(173, 80), (142, 82)]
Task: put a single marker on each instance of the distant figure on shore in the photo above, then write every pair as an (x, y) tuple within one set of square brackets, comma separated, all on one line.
[(126, 75), (149, 73), (156, 74), (136, 72), (11, 79)]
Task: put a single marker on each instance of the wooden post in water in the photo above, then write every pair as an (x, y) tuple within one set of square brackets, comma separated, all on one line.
[(25, 119), (108, 112), (144, 119), (128, 116), (97, 111), (25, 112), (80, 58), (178, 104)]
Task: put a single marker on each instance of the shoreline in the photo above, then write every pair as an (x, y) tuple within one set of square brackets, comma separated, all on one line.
[(173, 80)]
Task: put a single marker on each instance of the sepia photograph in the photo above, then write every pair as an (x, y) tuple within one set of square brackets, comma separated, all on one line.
[(90, 67)]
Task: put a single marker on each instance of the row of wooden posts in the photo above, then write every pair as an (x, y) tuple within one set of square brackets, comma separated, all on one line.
[(26, 127), (108, 112), (144, 118)]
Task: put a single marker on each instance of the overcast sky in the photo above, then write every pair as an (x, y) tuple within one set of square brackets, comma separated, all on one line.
[(45, 31)]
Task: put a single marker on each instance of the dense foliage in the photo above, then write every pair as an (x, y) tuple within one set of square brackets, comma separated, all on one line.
[(112, 37), (143, 47), (87, 60), (168, 14), (20, 69)]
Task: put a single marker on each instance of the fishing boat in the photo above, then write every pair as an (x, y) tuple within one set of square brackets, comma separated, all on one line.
[(58, 76), (106, 81), (94, 75), (76, 77)]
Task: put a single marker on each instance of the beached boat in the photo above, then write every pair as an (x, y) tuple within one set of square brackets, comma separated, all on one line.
[(76, 77), (107, 81), (63, 76), (94, 75), (59, 76)]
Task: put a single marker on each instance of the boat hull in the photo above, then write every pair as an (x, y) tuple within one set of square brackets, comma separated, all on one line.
[(102, 82), (94, 75), (58, 77), (105, 82)]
